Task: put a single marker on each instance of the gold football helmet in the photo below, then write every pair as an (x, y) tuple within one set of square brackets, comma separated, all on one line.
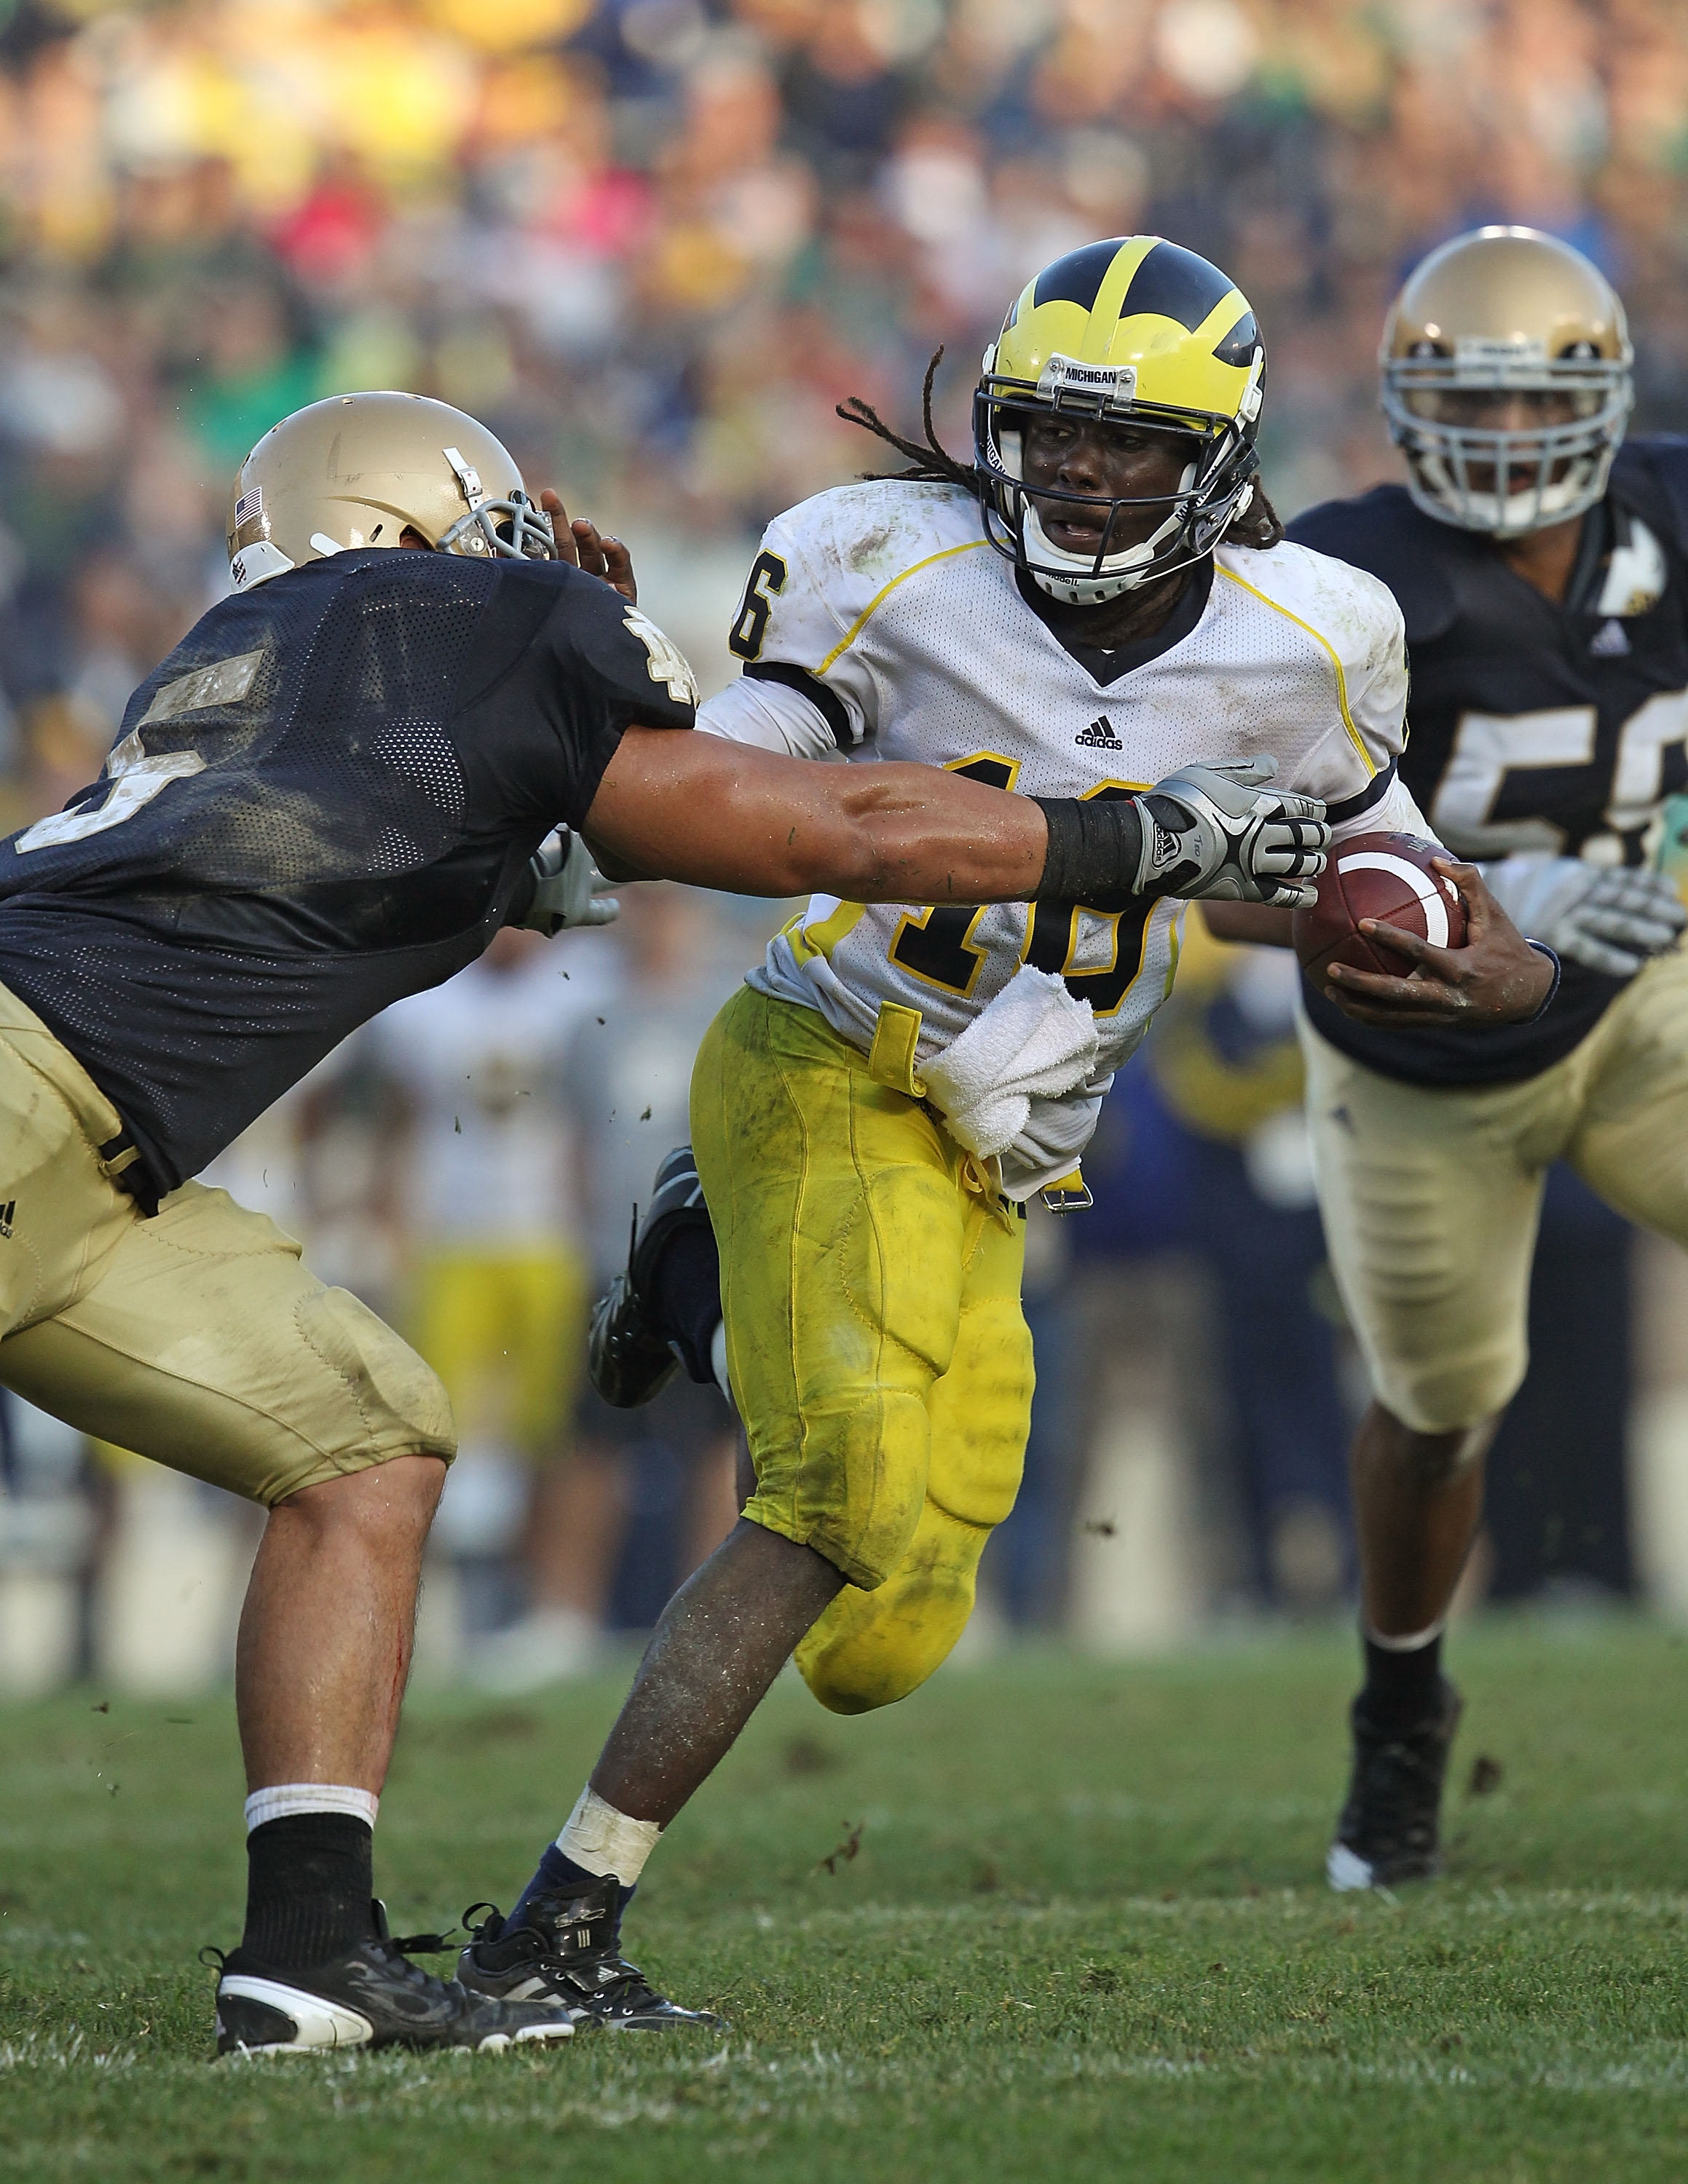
[(1139, 328), (360, 470), (1507, 381)]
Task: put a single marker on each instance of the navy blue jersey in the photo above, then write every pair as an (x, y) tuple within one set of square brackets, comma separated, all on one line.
[(324, 799), (1533, 725)]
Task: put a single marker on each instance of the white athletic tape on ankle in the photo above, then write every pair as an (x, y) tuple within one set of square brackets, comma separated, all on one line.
[(282, 1801), (604, 1841), (1413, 1642), (717, 1360)]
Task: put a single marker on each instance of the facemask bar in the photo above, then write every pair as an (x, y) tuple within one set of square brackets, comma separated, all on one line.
[(527, 535), (1214, 489), (1540, 474)]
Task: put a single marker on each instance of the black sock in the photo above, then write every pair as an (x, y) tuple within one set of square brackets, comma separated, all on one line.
[(1402, 1687), (558, 1874), (685, 1298), (309, 1883)]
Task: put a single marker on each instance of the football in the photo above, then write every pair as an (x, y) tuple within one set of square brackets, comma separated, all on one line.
[(1388, 877)]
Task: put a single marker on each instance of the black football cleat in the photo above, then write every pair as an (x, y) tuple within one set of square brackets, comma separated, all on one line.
[(371, 1996), (564, 1953), (1390, 1830), (627, 1360)]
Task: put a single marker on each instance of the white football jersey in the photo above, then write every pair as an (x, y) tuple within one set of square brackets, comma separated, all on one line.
[(879, 623)]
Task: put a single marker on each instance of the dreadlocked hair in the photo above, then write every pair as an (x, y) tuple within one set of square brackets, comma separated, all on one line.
[(1259, 526), (933, 464)]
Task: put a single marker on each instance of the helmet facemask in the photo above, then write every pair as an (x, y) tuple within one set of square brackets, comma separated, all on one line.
[(513, 529), (1505, 481), (1215, 487)]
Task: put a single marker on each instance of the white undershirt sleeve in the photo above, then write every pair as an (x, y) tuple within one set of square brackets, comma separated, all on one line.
[(771, 716)]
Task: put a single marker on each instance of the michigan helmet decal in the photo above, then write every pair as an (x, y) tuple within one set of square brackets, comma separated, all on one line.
[(360, 469), (1507, 371), (1134, 328)]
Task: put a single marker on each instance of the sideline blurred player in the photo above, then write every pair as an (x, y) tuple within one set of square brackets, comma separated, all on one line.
[(628, 1085), (334, 793), (869, 1108), (1542, 569), (496, 1272)]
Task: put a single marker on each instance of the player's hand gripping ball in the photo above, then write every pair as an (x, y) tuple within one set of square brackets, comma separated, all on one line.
[(1387, 876)]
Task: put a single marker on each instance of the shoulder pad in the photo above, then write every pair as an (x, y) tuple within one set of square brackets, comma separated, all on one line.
[(1649, 474), (1346, 605), (1383, 533), (879, 528)]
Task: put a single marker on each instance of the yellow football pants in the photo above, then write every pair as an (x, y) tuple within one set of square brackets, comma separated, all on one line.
[(877, 1354), (504, 1332)]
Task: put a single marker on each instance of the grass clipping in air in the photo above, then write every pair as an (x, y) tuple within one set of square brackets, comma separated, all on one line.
[(1047, 1920)]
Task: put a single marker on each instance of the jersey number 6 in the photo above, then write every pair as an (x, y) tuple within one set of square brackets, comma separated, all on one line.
[(766, 580)]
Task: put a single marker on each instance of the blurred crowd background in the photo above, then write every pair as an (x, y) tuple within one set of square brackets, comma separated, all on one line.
[(653, 243)]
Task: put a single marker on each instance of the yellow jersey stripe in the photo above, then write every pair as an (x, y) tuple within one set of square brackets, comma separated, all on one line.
[(820, 939), (879, 598), (1320, 639)]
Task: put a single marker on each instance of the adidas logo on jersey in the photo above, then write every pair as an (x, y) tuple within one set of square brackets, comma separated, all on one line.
[(1098, 736), (1610, 641)]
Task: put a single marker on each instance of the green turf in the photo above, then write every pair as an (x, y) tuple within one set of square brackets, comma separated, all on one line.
[(1083, 1935)]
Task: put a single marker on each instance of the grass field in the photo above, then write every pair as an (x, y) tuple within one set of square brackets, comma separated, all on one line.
[(1083, 1935)]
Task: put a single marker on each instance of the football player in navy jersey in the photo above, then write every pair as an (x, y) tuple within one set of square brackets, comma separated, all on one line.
[(1541, 561), (334, 793)]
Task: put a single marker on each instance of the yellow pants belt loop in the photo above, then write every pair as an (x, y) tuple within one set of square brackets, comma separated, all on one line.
[(890, 1058)]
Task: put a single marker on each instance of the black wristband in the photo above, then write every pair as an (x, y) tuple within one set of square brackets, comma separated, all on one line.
[(1094, 842), (1541, 948)]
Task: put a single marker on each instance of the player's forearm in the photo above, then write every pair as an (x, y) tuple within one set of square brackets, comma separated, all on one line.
[(720, 815), (1260, 923)]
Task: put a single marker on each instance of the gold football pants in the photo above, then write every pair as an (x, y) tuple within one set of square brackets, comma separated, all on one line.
[(881, 1364), (196, 1337), (1431, 1196)]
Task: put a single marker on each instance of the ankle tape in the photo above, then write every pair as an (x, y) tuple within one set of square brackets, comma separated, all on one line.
[(600, 1839)]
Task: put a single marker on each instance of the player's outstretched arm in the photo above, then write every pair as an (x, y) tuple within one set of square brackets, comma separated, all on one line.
[(723, 815), (1496, 978)]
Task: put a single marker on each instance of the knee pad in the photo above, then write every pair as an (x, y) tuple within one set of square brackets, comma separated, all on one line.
[(870, 1649)]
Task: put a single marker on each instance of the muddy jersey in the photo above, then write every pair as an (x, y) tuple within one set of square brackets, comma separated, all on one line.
[(325, 799), (878, 623), (1535, 725)]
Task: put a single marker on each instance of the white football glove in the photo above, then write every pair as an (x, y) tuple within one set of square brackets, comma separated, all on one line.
[(1215, 830), (571, 890), (1611, 917)]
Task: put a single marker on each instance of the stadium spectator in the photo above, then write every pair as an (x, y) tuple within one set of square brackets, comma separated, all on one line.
[(655, 244)]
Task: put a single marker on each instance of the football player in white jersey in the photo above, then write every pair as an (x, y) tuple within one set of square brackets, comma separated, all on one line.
[(1125, 631)]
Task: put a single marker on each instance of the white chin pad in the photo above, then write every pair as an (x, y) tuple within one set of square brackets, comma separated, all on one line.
[(1047, 564)]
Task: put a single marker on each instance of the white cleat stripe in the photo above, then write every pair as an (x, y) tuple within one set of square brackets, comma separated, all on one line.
[(320, 2023)]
